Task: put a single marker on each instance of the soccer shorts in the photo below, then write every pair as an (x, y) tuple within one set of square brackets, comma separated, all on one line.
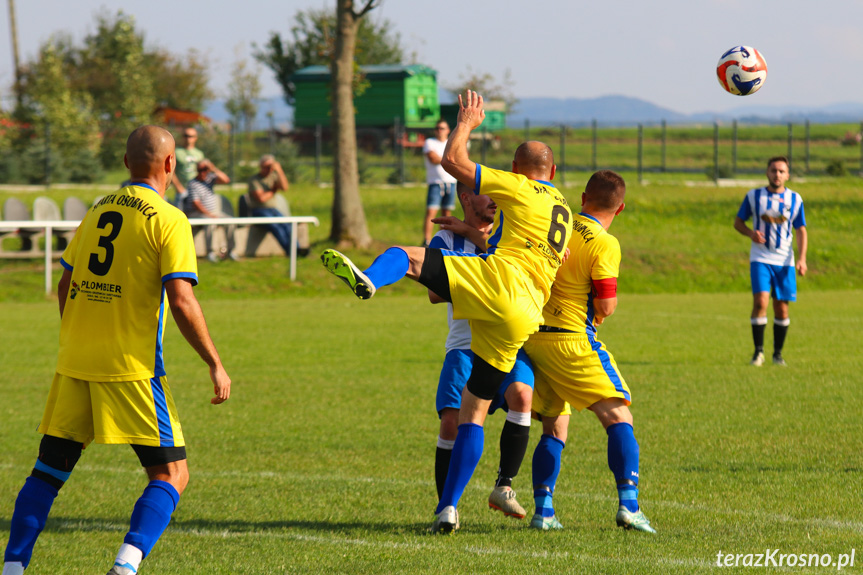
[(780, 281), (441, 196), (572, 368), (134, 412), (456, 370), (501, 304)]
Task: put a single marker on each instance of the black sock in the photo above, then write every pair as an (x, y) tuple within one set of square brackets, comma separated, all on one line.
[(441, 467), (513, 445), (758, 336), (779, 333)]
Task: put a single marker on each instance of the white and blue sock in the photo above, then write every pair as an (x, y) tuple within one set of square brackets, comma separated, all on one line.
[(623, 462), (465, 457), (545, 469), (28, 520), (151, 515)]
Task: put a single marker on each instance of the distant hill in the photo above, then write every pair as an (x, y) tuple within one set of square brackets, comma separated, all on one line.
[(614, 110)]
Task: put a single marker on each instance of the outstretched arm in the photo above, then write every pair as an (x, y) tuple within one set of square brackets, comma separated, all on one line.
[(190, 319), (456, 160)]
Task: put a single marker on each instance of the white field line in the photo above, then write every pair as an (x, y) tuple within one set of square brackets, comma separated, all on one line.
[(825, 522), (406, 546)]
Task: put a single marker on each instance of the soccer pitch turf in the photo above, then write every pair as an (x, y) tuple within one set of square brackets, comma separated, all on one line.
[(322, 461)]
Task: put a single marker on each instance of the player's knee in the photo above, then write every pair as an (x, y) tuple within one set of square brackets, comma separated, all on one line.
[(484, 379), (519, 397), (611, 411), (57, 459), (449, 424)]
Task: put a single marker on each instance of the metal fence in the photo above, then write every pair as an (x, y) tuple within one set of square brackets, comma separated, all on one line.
[(393, 155)]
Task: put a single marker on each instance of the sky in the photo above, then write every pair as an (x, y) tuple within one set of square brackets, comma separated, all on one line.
[(664, 51)]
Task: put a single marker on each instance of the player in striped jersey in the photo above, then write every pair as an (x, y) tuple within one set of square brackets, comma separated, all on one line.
[(514, 395), (777, 217), (501, 292), (132, 253)]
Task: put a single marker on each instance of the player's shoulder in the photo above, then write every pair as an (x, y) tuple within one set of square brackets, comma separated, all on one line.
[(443, 240)]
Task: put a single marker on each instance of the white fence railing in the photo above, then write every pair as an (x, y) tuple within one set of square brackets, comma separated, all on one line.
[(61, 225)]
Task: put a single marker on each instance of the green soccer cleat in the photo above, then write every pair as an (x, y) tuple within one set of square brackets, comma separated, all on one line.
[(503, 499), (757, 359), (545, 523), (629, 520), (446, 521), (340, 266)]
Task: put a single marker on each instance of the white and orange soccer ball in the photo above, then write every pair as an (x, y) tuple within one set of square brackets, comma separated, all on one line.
[(741, 70)]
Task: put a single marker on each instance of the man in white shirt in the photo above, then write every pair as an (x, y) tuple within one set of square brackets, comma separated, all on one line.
[(441, 185), (776, 212)]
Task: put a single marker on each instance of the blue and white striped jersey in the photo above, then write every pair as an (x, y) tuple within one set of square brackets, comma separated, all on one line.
[(776, 215), (459, 329)]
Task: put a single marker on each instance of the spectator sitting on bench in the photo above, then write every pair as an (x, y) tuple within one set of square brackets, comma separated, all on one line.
[(263, 188), (203, 202)]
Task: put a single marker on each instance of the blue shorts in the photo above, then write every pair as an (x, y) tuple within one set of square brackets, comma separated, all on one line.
[(456, 370), (441, 196), (780, 281)]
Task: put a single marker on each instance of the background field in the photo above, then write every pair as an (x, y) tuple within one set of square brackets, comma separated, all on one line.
[(322, 461)]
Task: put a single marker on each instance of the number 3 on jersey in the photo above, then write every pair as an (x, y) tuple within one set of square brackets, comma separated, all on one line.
[(557, 229), (96, 265)]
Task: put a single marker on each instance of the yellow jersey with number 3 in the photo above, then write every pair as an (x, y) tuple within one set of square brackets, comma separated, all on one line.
[(532, 224), (127, 246)]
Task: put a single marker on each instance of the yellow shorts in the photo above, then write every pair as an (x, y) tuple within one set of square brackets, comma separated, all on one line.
[(570, 368), (502, 306), (134, 412)]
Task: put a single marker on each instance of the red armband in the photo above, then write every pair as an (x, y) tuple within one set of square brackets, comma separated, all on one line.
[(605, 288)]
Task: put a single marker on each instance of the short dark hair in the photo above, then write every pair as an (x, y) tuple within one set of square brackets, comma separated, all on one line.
[(778, 159), (605, 190)]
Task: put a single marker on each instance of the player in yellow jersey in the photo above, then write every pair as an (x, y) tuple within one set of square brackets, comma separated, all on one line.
[(132, 252), (501, 292), (573, 368)]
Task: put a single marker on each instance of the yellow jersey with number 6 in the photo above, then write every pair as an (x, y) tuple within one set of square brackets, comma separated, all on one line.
[(127, 246), (532, 224)]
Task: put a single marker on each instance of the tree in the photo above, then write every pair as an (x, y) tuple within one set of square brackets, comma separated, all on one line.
[(349, 220), (112, 66), (243, 92), (123, 80), (313, 42), (486, 85), (50, 103), (183, 81)]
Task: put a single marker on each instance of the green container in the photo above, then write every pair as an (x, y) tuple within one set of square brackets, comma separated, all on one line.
[(495, 116), (409, 93)]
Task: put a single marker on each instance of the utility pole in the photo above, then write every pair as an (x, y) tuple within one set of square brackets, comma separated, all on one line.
[(17, 61)]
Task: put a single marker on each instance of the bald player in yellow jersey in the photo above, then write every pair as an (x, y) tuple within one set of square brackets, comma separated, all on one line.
[(132, 254), (500, 293), (573, 368)]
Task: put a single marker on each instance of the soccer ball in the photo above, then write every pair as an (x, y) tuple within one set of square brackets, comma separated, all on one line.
[(742, 70)]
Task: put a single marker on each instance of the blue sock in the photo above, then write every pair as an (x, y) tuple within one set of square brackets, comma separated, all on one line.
[(389, 267), (31, 511), (465, 456), (151, 515), (623, 462), (546, 468)]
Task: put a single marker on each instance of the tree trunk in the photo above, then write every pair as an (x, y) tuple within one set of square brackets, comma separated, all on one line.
[(349, 221)]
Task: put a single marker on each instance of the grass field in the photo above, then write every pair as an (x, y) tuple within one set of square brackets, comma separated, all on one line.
[(322, 461)]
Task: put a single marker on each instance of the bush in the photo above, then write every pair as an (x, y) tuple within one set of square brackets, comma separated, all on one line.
[(724, 172), (836, 168)]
